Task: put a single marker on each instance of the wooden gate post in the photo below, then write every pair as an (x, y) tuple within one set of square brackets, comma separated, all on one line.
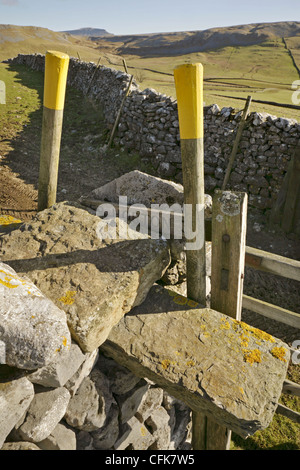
[(229, 221), (56, 70)]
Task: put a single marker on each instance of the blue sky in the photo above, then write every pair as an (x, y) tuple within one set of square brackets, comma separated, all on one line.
[(138, 16)]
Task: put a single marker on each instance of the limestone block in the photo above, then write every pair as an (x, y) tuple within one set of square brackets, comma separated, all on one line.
[(158, 424), (33, 331), (152, 400), (22, 445), (104, 438), (61, 438), (45, 412), (88, 409), (59, 371), (135, 435), (121, 379), (84, 370), (141, 188), (15, 399), (211, 362), (130, 401), (93, 277)]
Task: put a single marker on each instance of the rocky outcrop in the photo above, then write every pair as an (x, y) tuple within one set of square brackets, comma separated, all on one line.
[(94, 280)]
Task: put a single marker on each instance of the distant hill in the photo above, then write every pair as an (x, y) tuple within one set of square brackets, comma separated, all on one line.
[(186, 42), (31, 39), (90, 32)]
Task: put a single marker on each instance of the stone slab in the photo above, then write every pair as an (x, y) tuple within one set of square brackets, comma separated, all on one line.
[(33, 331), (142, 188), (15, 399), (94, 277), (44, 413), (211, 362)]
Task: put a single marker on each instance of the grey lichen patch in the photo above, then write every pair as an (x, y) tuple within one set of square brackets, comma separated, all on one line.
[(230, 203)]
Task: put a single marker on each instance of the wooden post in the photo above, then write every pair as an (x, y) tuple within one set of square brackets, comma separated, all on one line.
[(97, 66), (286, 210), (125, 65), (237, 141), (229, 220), (189, 91), (290, 219), (56, 70), (119, 113)]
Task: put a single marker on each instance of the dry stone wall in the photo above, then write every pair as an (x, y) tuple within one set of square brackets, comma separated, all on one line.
[(149, 125), (54, 393)]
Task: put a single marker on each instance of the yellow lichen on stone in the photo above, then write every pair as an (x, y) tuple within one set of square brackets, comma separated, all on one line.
[(244, 341), (252, 355), (279, 353), (68, 298), (165, 363), (180, 300), (255, 332), (8, 219), (8, 278), (190, 363), (225, 325)]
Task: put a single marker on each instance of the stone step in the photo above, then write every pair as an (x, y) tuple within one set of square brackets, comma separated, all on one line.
[(94, 276), (213, 363)]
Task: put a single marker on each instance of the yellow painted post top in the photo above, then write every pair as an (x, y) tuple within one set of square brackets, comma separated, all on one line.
[(189, 90), (56, 71)]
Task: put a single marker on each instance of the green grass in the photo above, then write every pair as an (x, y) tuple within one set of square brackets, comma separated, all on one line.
[(22, 101), (282, 433), (264, 71)]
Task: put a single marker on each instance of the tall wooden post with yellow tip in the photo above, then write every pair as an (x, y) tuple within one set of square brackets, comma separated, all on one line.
[(189, 91), (56, 71)]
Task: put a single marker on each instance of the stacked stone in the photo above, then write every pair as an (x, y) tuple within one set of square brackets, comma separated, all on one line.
[(57, 389), (265, 149), (100, 406), (150, 126)]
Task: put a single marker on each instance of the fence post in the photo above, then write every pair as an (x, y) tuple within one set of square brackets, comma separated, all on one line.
[(237, 141), (229, 220), (189, 91), (56, 70), (119, 112)]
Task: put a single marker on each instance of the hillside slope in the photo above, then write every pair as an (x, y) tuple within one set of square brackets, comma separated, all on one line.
[(95, 32), (32, 39), (187, 42)]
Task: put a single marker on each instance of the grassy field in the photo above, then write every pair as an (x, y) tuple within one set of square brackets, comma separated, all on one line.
[(264, 71), (229, 74)]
